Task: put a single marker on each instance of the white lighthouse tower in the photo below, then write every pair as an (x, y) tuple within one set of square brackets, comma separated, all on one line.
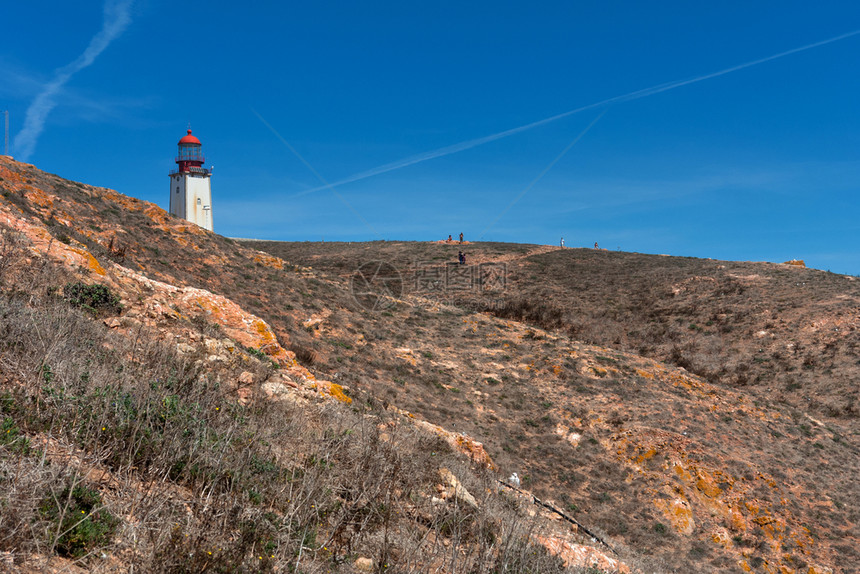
[(190, 190)]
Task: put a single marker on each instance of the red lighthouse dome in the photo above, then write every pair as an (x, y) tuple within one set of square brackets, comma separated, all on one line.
[(190, 157), (189, 139)]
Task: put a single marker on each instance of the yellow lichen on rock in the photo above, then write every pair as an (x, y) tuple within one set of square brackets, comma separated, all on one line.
[(263, 331), (647, 455), (406, 354), (706, 484), (336, 391), (40, 198), (681, 471), (461, 442), (678, 513), (721, 536), (92, 264), (269, 261), (157, 214), (736, 521)]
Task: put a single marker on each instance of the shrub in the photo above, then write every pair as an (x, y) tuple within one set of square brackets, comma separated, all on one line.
[(78, 520), (262, 356), (97, 299), (10, 436)]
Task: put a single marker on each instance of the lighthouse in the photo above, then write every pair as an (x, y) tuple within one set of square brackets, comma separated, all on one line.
[(190, 190)]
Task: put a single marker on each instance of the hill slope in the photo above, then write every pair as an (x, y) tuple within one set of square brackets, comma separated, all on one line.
[(679, 472), (772, 329), (780, 341)]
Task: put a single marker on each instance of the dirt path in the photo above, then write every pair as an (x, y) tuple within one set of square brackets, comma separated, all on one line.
[(508, 257)]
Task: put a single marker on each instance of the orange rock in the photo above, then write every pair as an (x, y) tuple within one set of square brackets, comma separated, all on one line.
[(40, 198), (650, 453), (706, 484), (721, 536), (681, 471), (157, 214), (736, 521), (460, 442), (678, 513), (580, 556), (245, 394), (269, 261)]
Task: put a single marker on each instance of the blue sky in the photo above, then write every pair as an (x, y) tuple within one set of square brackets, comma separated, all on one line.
[(761, 162)]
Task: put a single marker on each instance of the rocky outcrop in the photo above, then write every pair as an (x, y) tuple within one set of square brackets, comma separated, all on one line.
[(146, 300), (581, 556), (453, 488), (156, 305)]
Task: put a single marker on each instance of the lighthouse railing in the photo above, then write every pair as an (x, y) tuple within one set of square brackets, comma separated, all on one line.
[(191, 169), (190, 155)]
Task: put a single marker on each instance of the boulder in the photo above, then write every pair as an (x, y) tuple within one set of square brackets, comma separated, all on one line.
[(455, 488)]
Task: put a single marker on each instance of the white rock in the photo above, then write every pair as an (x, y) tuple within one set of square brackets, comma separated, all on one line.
[(456, 488), (185, 348)]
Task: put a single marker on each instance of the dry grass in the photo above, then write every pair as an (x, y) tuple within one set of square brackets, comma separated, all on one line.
[(169, 475), (512, 385)]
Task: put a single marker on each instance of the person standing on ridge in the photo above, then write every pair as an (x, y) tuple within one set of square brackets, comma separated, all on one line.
[(461, 238)]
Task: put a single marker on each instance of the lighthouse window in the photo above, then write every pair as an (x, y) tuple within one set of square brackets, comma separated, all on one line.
[(198, 201), (177, 189)]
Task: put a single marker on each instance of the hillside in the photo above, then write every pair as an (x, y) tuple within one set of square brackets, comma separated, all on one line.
[(779, 339), (634, 392), (777, 331)]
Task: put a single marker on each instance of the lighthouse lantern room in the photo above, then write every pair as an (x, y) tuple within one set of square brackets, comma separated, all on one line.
[(190, 189)]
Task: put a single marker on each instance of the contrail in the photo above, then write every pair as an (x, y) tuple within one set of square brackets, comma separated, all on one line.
[(326, 184), (677, 84), (635, 95), (116, 20), (544, 172)]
